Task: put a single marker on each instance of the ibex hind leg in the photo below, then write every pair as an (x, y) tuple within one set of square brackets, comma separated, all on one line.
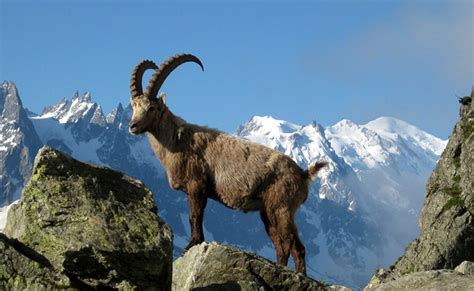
[(288, 233), (282, 253)]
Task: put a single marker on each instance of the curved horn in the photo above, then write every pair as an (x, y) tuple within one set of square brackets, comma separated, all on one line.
[(165, 69), (137, 76)]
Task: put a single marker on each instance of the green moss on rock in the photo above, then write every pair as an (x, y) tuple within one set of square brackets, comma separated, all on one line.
[(23, 269)]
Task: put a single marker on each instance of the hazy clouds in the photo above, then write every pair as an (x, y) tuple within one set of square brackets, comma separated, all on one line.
[(410, 63), (415, 35)]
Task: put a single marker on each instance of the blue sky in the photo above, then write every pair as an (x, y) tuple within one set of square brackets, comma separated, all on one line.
[(320, 61)]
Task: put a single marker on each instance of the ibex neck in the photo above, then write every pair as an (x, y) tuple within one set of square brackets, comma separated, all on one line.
[(165, 129)]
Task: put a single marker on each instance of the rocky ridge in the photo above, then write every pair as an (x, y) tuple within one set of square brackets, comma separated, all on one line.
[(447, 217)]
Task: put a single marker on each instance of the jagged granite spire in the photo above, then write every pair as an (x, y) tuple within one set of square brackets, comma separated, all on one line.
[(116, 116), (19, 144)]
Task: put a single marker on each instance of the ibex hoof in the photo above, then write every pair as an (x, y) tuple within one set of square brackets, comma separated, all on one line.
[(191, 244)]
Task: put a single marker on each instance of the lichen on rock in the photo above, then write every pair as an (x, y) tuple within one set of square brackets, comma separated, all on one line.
[(95, 225), (23, 269)]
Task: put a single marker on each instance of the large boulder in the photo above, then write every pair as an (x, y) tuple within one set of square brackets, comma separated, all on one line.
[(95, 225), (213, 266), (447, 217)]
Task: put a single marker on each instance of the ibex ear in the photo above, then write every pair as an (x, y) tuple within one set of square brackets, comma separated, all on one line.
[(163, 97)]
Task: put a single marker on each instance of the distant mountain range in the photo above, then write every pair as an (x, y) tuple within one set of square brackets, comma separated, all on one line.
[(359, 215)]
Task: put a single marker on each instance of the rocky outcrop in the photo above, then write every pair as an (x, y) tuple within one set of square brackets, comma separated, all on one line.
[(447, 222), (94, 226), (213, 266), (462, 278)]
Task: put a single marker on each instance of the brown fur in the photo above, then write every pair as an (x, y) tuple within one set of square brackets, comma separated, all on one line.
[(206, 163)]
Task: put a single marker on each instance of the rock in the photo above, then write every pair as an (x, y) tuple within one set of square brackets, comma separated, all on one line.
[(446, 221), (466, 268), (23, 269), (95, 225), (213, 266), (430, 280)]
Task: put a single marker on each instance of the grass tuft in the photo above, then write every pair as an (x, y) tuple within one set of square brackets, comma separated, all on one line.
[(468, 129), (465, 100), (455, 199)]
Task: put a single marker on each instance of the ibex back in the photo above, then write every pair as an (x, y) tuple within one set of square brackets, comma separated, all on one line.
[(206, 163)]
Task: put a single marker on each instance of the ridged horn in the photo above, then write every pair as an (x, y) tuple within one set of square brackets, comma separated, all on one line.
[(136, 88), (165, 69)]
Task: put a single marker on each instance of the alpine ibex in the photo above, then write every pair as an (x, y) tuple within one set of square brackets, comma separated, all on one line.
[(206, 163)]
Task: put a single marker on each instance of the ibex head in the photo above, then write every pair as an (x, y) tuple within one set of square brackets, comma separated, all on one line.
[(146, 106)]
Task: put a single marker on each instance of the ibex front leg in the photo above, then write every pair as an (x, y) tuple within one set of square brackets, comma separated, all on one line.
[(197, 202)]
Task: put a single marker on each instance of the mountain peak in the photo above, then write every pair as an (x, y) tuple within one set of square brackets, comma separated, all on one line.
[(87, 97), (71, 111), (75, 95), (305, 144), (394, 128), (9, 87), (117, 115), (10, 104), (269, 125), (344, 123), (55, 110), (7, 84), (98, 117), (18, 143), (388, 124)]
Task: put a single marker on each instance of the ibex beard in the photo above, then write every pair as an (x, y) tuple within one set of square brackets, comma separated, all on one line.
[(206, 163)]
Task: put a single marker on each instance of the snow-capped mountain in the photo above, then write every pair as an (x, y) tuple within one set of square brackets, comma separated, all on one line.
[(376, 178), (359, 215), (19, 144)]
